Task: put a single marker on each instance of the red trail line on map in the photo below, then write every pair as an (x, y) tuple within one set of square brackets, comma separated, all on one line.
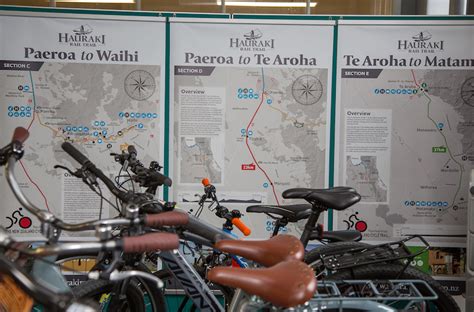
[(251, 153)]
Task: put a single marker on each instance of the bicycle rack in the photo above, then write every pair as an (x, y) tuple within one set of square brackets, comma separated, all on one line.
[(360, 256), (347, 294)]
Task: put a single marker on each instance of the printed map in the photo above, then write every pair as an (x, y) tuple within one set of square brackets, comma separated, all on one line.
[(432, 153), (274, 136), (99, 108)]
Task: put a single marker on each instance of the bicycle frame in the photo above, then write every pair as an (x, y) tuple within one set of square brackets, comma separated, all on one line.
[(192, 283)]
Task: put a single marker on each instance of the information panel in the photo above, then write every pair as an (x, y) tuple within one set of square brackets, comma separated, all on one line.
[(89, 80), (405, 108), (251, 106)]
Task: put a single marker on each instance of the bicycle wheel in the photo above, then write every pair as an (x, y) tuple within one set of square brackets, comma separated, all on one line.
[(151, 297), (185, 303), (99, 292), (384, 271)]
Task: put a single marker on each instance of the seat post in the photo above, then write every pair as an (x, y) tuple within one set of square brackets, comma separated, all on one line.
[(310, 224), (278, 224), (276, 228)]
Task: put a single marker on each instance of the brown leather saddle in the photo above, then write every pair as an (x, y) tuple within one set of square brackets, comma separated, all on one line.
[(265, 252), (286, 284)]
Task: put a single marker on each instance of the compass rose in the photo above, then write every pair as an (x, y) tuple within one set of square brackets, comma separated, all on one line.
[(467, 91), (139, 85), (307, 89)]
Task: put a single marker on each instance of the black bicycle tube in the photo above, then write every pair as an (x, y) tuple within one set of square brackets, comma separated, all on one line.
[(309, 227), (203, 229)]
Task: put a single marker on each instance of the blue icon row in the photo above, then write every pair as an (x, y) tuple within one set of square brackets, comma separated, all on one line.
[(247, 96), (245, 90), (270, 226), (97, 133), (243, 131), (137, 115), (99, 123), (77, 129), (426, 203), (19, 108), (19, 114), (395, 91), (24, 88)]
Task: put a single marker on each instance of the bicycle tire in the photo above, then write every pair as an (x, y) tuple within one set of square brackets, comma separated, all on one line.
[(95, 289), (384, 271), (167, 277), (156, 297)]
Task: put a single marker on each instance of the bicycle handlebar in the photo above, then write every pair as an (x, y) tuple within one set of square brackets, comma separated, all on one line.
[(45, 216), (131, 244), (145, 176), (85, 162)]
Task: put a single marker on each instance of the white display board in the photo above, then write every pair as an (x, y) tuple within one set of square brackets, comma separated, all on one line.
[(250, 110), (93, 80), (405, 109)]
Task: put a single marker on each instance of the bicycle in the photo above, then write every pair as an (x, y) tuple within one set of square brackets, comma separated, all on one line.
[(342, 258), (199, 228), (191, 280), (292, 267), (51, 226), (350, 260)]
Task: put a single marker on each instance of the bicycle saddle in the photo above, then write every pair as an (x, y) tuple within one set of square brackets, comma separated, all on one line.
[(265, 252), (292, 212), (286, 284), (303, 192), (337, 199)]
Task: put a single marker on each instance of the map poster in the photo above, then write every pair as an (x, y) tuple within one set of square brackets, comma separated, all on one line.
[(405, 106), (251, 105), (90, 80)]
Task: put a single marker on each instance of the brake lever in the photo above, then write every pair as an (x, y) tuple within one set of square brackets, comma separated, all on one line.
[(68, 170), (87, 177), (116, 260), (118, 276)]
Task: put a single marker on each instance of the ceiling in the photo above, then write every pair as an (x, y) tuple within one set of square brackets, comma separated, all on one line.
[(328, 7)]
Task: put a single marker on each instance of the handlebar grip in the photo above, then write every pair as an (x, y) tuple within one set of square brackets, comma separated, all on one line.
[(132, 150), (161, 179), (241, 226), (20, 135), (74, 153), (150, 242), (169, 218)]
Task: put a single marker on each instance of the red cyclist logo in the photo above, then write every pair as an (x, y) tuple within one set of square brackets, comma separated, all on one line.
[(18, 218), (358, 224)]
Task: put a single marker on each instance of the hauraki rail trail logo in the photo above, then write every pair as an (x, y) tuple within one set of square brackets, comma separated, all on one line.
[(82, 36), (252, 41), (421, 43)]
